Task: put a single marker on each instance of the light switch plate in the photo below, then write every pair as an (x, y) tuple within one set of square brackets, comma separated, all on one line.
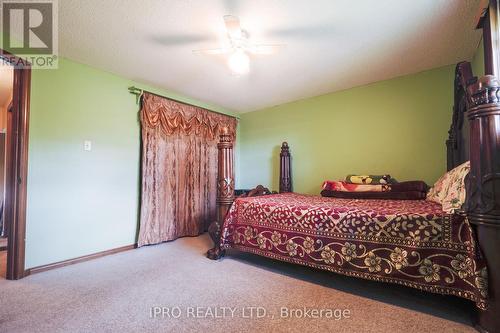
[(87, 145)]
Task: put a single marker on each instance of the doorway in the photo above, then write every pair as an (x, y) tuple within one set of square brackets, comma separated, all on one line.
[(15, 166), (6, 90)]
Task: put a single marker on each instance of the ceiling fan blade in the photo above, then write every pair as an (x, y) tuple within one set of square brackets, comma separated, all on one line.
[(233, 26), (184, 39), (265, 49), (213, 51), (306, 32)]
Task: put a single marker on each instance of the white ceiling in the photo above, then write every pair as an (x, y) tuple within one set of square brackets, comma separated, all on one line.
[(331, 44), (6, 84)]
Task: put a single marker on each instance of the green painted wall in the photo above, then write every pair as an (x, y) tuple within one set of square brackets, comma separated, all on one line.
[(397, 126), (82, 202)]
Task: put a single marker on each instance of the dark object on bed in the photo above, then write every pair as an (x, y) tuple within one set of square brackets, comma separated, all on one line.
[(413, 185), (258, 191), (240, 191), (410, 190), (407, 195)]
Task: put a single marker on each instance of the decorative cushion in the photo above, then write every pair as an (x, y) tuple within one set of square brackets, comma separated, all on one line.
[(449, 190), (370, 179)]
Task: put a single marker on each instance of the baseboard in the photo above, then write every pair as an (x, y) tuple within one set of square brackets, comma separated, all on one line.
[(59, 264)]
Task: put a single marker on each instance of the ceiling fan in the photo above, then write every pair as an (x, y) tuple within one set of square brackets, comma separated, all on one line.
[(240, 47)]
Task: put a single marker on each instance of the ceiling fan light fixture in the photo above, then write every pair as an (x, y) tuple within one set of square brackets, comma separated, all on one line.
[(239, 62), (239, 47)]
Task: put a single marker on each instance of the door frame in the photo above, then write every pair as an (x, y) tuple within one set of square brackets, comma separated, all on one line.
[(16, 168)]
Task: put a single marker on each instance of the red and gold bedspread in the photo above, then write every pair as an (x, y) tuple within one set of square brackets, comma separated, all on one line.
[(409, 242)]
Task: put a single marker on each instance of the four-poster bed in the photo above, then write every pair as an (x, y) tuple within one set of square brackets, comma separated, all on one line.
[(449, 258)]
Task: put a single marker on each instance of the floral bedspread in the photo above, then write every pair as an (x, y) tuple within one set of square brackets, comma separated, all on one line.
[(409, 242)]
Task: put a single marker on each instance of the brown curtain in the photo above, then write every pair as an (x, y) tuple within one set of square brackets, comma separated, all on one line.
[(179, 168)]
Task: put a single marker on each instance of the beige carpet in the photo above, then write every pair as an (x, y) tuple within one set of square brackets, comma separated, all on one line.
[(116, 293)]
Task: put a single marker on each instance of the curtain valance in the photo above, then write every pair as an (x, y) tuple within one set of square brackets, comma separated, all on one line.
[(175, 117)]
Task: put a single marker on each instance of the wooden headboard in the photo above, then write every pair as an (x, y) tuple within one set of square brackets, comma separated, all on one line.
[(457, 145)]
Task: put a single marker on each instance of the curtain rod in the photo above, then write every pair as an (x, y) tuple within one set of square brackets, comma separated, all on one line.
[(139, 92)]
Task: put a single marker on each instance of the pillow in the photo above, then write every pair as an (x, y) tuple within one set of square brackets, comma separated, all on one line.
[(449, 190)]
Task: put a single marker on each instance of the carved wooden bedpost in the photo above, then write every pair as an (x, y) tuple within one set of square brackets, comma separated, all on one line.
[(285, 169), (457, 145), (483, 188), (225, 191)]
